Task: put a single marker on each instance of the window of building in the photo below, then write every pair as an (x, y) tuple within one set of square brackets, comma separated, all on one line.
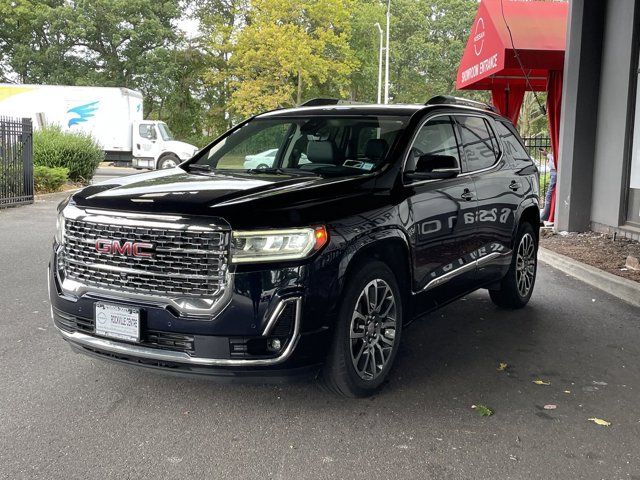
[(633, 207)]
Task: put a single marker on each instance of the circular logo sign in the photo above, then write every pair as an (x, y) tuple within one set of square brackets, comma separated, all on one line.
[(478, 37)]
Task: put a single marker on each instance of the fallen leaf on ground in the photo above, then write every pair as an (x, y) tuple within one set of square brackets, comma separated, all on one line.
[(550, 407), (482, 410), (567, 391), (541, 382), (502, 367), (599, 421)]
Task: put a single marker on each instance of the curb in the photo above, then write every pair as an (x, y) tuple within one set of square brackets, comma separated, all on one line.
[(619, 287)]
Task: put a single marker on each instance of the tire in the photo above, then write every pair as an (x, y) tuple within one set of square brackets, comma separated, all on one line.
[(262, 166), (168, 161), (377, 333), (517, 285)]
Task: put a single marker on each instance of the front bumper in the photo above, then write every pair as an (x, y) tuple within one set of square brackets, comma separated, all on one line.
[(224, 345)]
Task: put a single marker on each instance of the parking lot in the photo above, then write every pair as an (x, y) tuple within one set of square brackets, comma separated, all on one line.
[(64, 415)]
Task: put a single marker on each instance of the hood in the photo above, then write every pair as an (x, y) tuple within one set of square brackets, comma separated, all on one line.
[(179, 146), (234, 196)]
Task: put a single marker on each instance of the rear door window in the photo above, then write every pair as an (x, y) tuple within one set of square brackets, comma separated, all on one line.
[(479, 144), (436, 137)]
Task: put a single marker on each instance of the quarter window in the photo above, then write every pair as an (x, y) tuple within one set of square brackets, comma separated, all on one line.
[(478, 142), (436, 137), (512, 145)]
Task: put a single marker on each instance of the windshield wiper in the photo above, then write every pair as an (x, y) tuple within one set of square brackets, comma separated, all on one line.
[(196, 167), (282, 171)]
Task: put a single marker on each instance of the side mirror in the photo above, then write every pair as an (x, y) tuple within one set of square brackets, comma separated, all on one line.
[(432, 167)]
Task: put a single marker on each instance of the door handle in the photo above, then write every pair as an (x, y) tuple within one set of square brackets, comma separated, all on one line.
[(515, 186), (467, 195)]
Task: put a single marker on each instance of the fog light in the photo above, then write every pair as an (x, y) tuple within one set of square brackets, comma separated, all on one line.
[(275, 344)]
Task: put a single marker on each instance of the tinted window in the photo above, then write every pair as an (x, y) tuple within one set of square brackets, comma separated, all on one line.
[(510, 142), (324, 145), (436, 137), (480, 147)]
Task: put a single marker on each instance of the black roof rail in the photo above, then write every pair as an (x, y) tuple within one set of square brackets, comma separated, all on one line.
[(318, 102), (464, 102)]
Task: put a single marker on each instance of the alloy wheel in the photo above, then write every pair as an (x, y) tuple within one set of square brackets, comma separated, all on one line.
[(373, 329), (526, 264)]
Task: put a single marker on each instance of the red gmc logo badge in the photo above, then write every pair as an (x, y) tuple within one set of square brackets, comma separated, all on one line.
[(127, 248)]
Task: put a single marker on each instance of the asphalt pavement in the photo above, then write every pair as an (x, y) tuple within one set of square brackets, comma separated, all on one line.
[(109, 173), (68, 416)]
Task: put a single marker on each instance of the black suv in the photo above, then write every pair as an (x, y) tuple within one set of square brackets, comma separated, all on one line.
[(300, 242)]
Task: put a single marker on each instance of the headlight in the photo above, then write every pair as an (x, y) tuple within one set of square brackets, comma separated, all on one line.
[(59, 236), (277, 245)]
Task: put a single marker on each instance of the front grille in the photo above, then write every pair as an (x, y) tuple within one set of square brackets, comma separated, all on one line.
[(183, 262)]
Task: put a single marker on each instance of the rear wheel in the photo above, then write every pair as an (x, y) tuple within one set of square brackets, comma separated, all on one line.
[(517, 285), (367, 332), (168, 161)]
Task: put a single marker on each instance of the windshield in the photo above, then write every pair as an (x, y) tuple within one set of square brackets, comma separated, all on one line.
[(165, 132), (323, 145)]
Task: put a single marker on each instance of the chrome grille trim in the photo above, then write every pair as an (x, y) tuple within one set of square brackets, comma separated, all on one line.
[(190, 259)]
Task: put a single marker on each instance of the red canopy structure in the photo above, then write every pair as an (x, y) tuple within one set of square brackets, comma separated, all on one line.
[(517, 46)]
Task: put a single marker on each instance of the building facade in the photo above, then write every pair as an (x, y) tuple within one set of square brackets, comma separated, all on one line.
[(599, 171)]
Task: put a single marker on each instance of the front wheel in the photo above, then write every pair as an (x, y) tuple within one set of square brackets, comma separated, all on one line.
[(168, 161), (517, 285), (367, 333)]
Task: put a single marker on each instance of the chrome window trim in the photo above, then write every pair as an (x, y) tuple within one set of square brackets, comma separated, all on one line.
[(115, 347), (461, 174)]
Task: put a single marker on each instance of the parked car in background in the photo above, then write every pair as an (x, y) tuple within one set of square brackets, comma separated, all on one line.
[(266, 159), (310, 268), (112, 116)]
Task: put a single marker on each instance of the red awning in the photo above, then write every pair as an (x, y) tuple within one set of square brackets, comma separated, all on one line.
[(539, 35)]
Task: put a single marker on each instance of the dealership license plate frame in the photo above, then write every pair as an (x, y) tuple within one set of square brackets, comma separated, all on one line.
[(119, 322)]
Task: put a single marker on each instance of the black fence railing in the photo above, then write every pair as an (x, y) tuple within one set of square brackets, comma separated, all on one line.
[(16, 161), (535, 145)]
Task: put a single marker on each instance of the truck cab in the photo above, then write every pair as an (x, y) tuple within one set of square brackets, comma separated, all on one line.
[(154, 146)]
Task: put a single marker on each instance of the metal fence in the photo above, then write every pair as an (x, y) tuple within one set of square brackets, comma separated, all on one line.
[(16, 161), (534, 146)]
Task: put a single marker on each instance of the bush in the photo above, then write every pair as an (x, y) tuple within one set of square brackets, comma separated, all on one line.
[(77, 152), (49, 179)]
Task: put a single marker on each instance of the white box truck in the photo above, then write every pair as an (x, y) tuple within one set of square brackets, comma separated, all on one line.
[(113, 116)]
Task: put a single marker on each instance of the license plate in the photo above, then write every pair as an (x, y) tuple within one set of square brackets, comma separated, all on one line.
[(118, 321)]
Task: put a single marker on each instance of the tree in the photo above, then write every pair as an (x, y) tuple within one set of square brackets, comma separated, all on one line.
[(291, 50), (429, 37), (220, 23), (35, 45)]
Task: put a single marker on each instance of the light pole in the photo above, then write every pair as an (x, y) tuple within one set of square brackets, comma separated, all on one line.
[(380, 63), (386, 66)]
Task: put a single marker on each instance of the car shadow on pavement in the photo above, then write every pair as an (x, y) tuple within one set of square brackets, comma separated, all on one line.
[(453, 351)]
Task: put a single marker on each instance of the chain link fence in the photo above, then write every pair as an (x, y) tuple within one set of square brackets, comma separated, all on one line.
[(16, 161)]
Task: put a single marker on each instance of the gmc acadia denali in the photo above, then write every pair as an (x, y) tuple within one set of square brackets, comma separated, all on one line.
[(366, 217)]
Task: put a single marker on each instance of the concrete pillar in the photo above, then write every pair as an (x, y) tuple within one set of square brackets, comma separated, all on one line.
[(579, 114)]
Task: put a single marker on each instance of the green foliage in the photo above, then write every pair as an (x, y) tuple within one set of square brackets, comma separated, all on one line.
[(79, 153), (289, 49), (248, 55), (49, 179)]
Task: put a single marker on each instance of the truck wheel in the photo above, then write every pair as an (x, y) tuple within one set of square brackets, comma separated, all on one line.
[(367, 332), (168, 161), (517, 285)]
